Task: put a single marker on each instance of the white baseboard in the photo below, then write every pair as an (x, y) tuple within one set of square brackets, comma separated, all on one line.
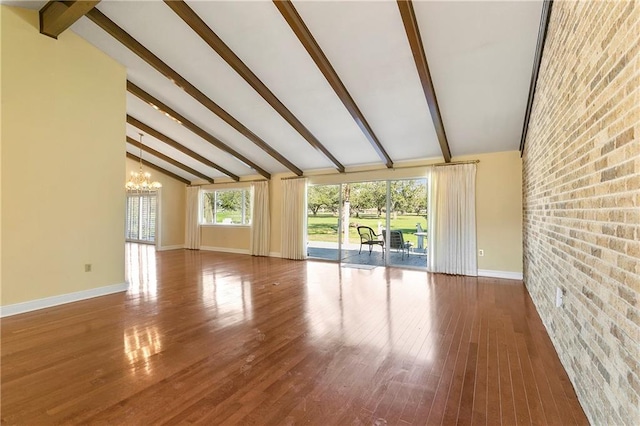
[(174, 247), (500, 274), (275, 254), (225, 250), (47, 302)]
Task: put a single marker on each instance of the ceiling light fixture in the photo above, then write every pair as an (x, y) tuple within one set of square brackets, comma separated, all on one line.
[(141, 181), (166, 114)]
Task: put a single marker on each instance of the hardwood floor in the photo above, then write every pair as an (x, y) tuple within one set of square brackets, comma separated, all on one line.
[(219, 338)]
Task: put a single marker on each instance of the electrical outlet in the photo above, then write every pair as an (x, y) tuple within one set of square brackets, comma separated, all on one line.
[(480, 252), (87, 267), (559, 297)]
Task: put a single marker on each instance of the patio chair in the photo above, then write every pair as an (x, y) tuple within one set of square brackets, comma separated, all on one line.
[(370, 238), (397, 242)]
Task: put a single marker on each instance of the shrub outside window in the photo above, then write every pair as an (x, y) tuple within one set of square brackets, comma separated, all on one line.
[(226, 207)]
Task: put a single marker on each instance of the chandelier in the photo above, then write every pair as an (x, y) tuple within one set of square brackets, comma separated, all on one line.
[(141, 181)]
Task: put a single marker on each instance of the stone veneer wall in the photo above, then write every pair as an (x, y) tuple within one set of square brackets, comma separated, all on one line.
[(581, 195)]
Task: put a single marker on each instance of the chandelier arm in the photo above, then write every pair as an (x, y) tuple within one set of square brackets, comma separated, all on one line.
[(140, 181)]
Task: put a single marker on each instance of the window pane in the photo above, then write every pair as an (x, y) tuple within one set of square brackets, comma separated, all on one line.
[(132, 218), (144, 218), (229, 207), (226, 207), (141, 210), (152, 218), (247, 207), (208, 203)]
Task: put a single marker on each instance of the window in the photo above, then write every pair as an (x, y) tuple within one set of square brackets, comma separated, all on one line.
[(226, 207), (141, 217)]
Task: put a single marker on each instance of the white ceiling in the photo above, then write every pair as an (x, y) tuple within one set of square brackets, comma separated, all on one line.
[(480, 54), (480, 57)]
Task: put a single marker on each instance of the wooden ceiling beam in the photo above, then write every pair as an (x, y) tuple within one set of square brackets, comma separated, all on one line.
[(168, 159), (158, 168), (533, 83), (176, 145), (168, 111), (202, 29), (57, 16), (146, 55), (293, 18), (420, 58)]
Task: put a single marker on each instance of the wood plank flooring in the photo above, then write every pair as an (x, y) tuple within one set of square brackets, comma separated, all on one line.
[(217, 338)]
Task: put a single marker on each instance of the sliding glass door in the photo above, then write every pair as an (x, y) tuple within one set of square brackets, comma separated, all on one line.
[(323, 222), (408, 223), (140, 222), (349, 223), (363, 216)]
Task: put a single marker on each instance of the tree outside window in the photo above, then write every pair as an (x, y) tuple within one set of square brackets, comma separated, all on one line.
[(226, 207)]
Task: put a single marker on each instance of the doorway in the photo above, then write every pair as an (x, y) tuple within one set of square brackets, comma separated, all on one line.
[(363, 215), (338, 214), (141, 217), (408, 223), (323, 222)]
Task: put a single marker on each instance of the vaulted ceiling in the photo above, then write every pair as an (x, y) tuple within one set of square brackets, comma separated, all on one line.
[(233, 89)]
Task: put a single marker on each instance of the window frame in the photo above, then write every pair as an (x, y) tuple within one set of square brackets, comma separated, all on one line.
[(246, 210), (152, 208)]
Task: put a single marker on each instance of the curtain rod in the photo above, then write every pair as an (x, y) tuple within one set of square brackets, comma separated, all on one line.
[(453, 163), (229, 183)]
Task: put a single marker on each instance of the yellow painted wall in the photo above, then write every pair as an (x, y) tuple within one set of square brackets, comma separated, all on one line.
[(172, 206), (499, 210), (1, 10), (498, 204), (232, 238), (63, 131)]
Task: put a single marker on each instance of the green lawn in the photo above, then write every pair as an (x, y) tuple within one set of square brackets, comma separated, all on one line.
[(235, 216), (324, 227)]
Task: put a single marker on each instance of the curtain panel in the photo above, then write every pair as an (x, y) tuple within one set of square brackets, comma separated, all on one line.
[(260, 221), (192, 225), (452, 220), (294, 218)]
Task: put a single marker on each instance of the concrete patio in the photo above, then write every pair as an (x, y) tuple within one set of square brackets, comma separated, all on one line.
[(417, 258)]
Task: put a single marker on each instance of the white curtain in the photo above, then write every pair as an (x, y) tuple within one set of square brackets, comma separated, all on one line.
[(452, 220), (294, 218), (192, 226), (260, 224)]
